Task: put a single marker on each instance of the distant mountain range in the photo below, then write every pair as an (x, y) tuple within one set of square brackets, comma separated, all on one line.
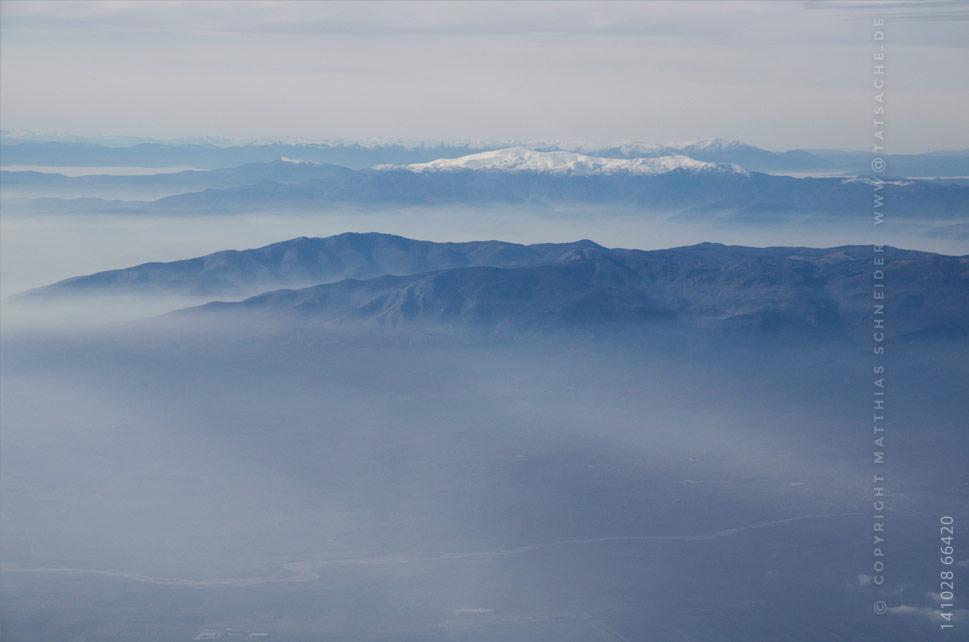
[(820, 292), (69, 151), (384, 281), (678, 185)]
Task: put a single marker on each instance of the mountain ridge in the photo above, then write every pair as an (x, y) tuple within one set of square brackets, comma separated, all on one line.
[(298, 261), (728, 288)]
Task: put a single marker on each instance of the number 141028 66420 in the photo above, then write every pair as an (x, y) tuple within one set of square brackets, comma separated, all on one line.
[(947, 576)]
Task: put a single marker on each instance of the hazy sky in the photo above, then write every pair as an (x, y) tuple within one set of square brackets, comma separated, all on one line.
[(779, 75)]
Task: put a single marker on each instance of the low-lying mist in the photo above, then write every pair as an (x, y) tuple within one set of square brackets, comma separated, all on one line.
[(546, 484)]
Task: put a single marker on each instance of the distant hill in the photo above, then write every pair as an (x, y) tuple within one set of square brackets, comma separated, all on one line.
[(298, 262), (31, 184), (946, 164)]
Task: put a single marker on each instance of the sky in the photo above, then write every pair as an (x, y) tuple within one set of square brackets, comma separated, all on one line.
[(780, 75)]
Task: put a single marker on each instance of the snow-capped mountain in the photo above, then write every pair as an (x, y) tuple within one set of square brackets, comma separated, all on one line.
[(559, 163), (675, 186)]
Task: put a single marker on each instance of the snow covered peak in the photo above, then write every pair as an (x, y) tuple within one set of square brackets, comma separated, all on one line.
[(297, 161), (713, 145), (559, 163)]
